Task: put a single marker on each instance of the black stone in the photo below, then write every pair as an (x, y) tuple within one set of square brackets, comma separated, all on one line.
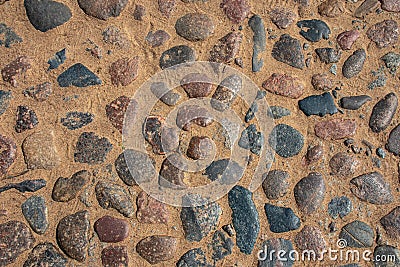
[(328, 55), (46, 14), (252, 139), (393, 143), (286, 140), (74, 120), (256, 24), (25, 186), (357, 234), (339, 206), (281, 219), (199, 220), (45, 254), (193, 258), (78, 75), (288, 50), (58, 59), (225, 170), (177, 55), (244, 218), (9, 36), (354, 102), (26, 119), (222, 246), (317, 29), (35, 212), (318, 105)]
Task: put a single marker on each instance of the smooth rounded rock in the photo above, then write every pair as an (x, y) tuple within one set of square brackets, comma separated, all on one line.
[(195, 27)]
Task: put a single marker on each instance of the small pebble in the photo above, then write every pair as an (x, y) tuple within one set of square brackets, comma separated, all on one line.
[(354, 102), (340, 206), (103, 9), (236, 10), (227, 48), (309, 193), (384, 34), (343, 165), (328, 55), (45, 254), (139, 13), (320, 105), (193, 114), (346, 39), (195, 27), (156, 249), (284, 85), (57, 60), (157, 38), (310, 238), (166, 7), (113, 196), (286, 140), (288, 50), (177, 55), (277, 112), (115, 256), (200, 147), (150, 210), (15, 69), (354, 63), (78, 75), (335, 129), (34, 210), (226, 92), (383, 113), (124, 71), (9, 37), (66, 189), (282, 17), (316, 30), (320, 81), (281, 219), (8, 153)]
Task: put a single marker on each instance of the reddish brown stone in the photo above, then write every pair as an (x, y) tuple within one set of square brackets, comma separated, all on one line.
[(236, 10), (172, 172), (335, 129), (391, 5), (116, 110), (111, 230), (124, 71), (159, 135), (284, 85), (197, 85), (342, 164), (384, 33), (310, 238), (187, 115), (373, 188), (314, 154), (26, 119), (309, 193), (346, 39), (199, 147), (158, 38), (14, 69), (113, 35), (321, 81), (156, 249), (8, 153), (166, 7), (227, 48), (282, 17), (366, 7), (102, 9), (115, 256), (149, 210), (391, 223)]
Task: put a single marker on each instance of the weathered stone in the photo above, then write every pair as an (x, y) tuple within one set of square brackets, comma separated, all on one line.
[(156, 249), (284, 85), (26, 119), (282, 17), (66, 189), (275, 184), (113, 196), (286, 140), (8, 153), (111, 230), (195, 27), (40, 151), (226, 48), (357, 234), (236, 10), (91, 149), (342, 164), (372, 187), (78, 75), (391, 223), (45, 254), (309, 193), (226, 92), (124, 71), (384, 34), (335, 129), (102, 9), (116, 110), (310, 238), (354, 63), (150, 210), (177, 55), (193, 114), (115, 256), (281, 219), (288, 50), (34, 210), (73, 235), (383, 113), (15, 69)]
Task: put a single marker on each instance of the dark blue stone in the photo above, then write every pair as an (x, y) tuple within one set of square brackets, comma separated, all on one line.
[(10, 37), (244, 218), (251, 113), (252, 139), (25, 186), (286, 140), (357, 234), (193, 258), (225, 170), (268, 255), (389, 256), (35, 212), (281, 219), (45, 254), (339, 206), (78, 75), (5, 98), (318, 105), (75, 120), (257, 26), (58, 59), (221, 245), (317, 29)]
